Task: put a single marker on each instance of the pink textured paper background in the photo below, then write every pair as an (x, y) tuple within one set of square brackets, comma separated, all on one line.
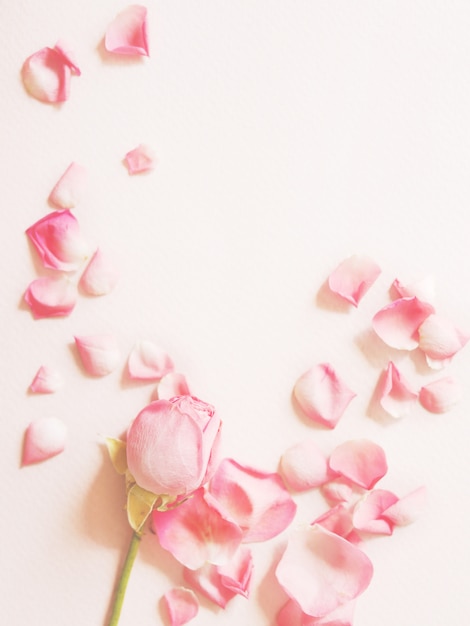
[(289, 136)]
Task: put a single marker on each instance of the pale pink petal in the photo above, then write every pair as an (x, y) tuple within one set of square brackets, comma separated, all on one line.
[(46, 74), (147, 361), (100, 354), (338, 490), (207, 581), (58, 241), (69, 57), (304, 466), (182, 605), (51, 297), (291, 615), (397, 323), (322, 395), (407, 509), (100, 275), (236, 574), (67, 191), (440, 395), (44, 438), (127, 33), (140, 160), (337, 520), (256, 500), (322, 571), (353, 278), (423, 289), (397, 397), (47, 380), (367, 516), (171, 385), (361, 461), (439, 339)]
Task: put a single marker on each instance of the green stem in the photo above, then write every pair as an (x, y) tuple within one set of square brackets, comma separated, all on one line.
[(124, 578)]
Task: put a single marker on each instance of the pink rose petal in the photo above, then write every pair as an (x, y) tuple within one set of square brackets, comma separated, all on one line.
[(322, 395), (51, 297), (207, 581), (397, 323), (182, 605), (47, 380), (353, 278), (127, 33), (291, 615), (396, 396), (100, 354), (67, 191), (58, 241), (44, 438), (46, 74), (100, 275), (423, 289), (256, 500), (171, 385), (339, 490), (361, 461), (407, 509), (148, 362), (140, 160), (337, 520), (367, 516), (322, 571), (440, 340), (235, 575), (441, 395), (304, 466)]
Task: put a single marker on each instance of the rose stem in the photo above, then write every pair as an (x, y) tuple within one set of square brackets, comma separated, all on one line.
[(124, 578)]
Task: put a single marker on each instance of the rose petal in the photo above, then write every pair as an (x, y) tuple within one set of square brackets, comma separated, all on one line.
[(100, 354), (396, 396), (100, 275), (44, 438), (353, 278), (337, 520), (322, 395), (322, 571), (367, 516), (51, 297), (207, 581), (440, 395), (67, 191), (69, 57), (361, 461), (339, 490), (58, 241), (46, 74), (256, 500), (291, 615), (439, 339), (127, 33), (304, 466), (148, 362), (171, 385), (407, 509), (235, 575), (182, 605), (47, 380), (397, 323), (140, 160), (423, 289)]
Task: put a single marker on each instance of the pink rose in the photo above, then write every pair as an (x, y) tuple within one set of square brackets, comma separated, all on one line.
[(172, 445)]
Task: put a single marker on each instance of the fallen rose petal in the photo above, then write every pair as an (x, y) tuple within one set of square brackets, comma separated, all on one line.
[(67, 191), (322, 571), (397, 323), (100, 275), (361, 461), (367, 516), (322, 395), (58, 241), (99, 354), (148, 362), (51, 297), (304, 466), (337, 520), (207, 581), (47, 380), (423, 289), (46, 74), (439, 339), (440, 395), (291, 615), (353, 278), (69, 57), (256, 500), (44, 438), (407, 509), (396, 396), (235, 575), (127, 33), (182, 605), (140, 160), (338, 490), (172, 385)]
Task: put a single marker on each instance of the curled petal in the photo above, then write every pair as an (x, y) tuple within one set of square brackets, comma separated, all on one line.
[(100, 275), (182, 605), (67, 191), (46, 74), (58, 241), (367, 516), (291, 615), (171, 385), (396, 395), (353, 278), (47, 380), (100, 354), (235, 575), (140, 160), (337, 520), (304, 466), (439, 339), (361, 461), (51, 297), (197, 531), (338, 490), (44, 438), (207, 581), (257, 501), (127, 33), (407, 509), (423, 289), (148, 362), (322, 571), (322, 395), (397, 323), (440, 395)]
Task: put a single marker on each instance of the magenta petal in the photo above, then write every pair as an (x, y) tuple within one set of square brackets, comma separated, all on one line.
[(182, 605), (396, 396), (440, 395), (361, 461), (140, 160), (322, 571), (304, 466), (67, 191), (100, 354), (44, 438), (353, 278), (397, 324), (46, 380), (127, 33), (322, 395), (51, 297), (46, 76), (367, 516), (256, 500)]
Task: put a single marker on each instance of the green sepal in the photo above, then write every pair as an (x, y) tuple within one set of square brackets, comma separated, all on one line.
[(117, 454), (140, 503)]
